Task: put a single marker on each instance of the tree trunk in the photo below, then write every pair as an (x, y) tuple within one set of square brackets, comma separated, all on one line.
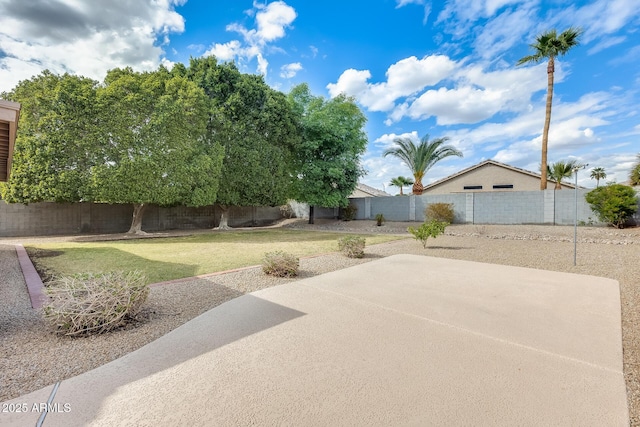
[(418, 188), (401, 191), (558, 185), (224, 225), (136, 223), (311, 214), (547, 122)]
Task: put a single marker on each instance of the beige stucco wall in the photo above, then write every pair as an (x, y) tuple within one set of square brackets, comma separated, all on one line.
[(359, 193), (489, 175)]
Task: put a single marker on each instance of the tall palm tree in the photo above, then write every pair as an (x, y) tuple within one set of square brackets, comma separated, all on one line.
[(561, 170), (420, 158), (400, 182), (598, 174), (547, 46)]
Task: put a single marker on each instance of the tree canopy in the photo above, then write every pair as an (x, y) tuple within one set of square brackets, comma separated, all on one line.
[(193, 136), (328, 152), (257, 128), (598, 174), (155, 144), (56, 145), (420, 158), (401, 182), (560, 170), (139, 138)]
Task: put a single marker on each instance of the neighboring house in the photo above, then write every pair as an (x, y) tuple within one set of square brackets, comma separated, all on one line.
[(490, 175), (9, 115), (363, 190)]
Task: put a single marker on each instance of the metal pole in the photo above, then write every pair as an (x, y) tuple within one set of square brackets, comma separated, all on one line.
[(575, 223)]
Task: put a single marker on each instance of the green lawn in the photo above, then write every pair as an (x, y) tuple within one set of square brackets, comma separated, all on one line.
[(177, 257)]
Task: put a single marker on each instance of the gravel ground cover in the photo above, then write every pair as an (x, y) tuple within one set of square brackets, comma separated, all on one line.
[(31, 357)]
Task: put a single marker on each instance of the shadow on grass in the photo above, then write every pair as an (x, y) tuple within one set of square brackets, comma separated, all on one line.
[(236, 236), (50, 263)]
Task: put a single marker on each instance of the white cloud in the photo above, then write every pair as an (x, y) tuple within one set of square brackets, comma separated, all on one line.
[(458, 14), (290, 70), (473, 94), (401, 3), (503, 32), (603, 17), (606, 43), (271, 19), (225, 51), (387, 140), (574, 129), (404, 78), (82, 36)]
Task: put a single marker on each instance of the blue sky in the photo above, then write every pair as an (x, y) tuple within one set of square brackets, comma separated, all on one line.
[(415, 67)]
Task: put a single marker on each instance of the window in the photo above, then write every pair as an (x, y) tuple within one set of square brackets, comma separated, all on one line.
[(499, 186), (473, 187)]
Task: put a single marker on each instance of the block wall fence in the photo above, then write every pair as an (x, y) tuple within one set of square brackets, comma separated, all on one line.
[(555, 207), (41, 219), (523, 207)]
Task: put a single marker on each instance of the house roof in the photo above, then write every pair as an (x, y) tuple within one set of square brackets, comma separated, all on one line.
[(495, 163), (370, 190)]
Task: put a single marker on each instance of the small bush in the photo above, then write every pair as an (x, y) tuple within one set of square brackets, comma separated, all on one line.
[(613, 203), (380, 219), (352, 246), (287, 211), (349, 213), (442, 212), (432, 228), (280, 264), (94, 303)]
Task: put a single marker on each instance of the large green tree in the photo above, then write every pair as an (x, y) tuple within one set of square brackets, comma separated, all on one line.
[(420, 158), (57, 142), (561, 170), (548, 46), (155, 143), (328, 154), (258, 130), (139, 138)]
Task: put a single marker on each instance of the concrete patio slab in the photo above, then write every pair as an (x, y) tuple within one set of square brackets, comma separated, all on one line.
[(404, 340)]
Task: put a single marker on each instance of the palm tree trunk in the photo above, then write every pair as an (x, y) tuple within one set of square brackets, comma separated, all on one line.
[(418, 188), (401, 191), (547, 123)]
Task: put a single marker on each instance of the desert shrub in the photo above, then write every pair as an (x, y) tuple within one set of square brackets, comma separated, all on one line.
[(380, 219), (287, 211), (349, 212), (613, 203), (352, 246), (442, 212), (280, 264), (94, 303), (432, 228)]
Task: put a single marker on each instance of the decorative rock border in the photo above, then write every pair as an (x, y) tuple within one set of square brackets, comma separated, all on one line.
[(31, 278)]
